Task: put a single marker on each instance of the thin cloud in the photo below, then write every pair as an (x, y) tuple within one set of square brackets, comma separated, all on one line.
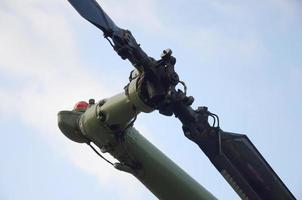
[(131, 13), (40, 48)]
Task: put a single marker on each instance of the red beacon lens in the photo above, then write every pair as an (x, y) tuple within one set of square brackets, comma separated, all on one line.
[(81, 106)]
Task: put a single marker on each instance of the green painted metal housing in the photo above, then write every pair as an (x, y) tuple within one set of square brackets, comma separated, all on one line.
[(158, 173), (108, 124)]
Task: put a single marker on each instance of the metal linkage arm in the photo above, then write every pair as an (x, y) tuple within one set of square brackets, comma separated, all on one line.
[(233, 155), (127, 48)]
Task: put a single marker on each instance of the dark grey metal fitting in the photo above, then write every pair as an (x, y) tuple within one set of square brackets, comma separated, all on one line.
[(102, 116), (102, 102), (172, 60), (91, 101), (123, 167), (166, 53), (202, 109), (189, 100)]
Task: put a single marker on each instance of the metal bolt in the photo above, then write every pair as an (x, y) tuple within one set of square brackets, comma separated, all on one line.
[(91, 101), (102, 116), (102, 102), (166, 53)]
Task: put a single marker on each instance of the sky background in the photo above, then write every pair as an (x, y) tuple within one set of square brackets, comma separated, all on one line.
[(242, 59)]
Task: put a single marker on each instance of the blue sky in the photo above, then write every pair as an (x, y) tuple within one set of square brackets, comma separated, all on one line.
[(240, 58)]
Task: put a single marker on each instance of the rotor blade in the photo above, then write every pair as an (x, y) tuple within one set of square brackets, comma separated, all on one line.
[(92, 11), (241, 164)]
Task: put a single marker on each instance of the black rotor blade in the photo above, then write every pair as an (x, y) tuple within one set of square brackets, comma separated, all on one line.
[(92, 11), (245, 169)]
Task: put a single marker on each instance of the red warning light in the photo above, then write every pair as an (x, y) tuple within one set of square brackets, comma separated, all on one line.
[(81, 106)]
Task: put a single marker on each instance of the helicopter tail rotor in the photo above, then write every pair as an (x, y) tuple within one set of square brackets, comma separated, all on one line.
[(91, 11), (242, 165)]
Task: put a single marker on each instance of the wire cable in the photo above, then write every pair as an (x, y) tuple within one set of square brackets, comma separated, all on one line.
[(215, 117), (184, 85), (214, 120), (109, 41), (100, 154)]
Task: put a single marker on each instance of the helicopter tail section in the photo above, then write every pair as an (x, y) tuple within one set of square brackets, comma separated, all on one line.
[(155, 88)]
